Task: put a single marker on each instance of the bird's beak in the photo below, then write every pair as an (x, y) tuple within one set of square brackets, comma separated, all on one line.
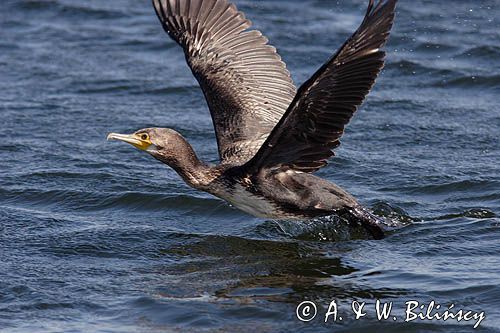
[(133, 139)]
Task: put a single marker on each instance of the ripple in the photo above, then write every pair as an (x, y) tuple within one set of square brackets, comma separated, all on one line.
[(150, 201), (325, 229), (67, 9), (408, 67), (386, 210), (129, 87), (35, 5), (260, 270), (476, 213), (471, 81), (457, 186), (92, 201), (432, 48), (484, 52), (88, 245)]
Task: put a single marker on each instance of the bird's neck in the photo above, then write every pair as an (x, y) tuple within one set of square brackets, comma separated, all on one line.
[(195, 172)]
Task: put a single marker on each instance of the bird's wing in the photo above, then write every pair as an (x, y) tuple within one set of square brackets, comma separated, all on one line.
[(313, 124), (246, 85)]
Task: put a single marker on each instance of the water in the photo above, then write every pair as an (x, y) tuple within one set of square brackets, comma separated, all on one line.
[(97, 237)]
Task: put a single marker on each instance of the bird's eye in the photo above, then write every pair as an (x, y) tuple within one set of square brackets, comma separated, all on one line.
[(144, 137)]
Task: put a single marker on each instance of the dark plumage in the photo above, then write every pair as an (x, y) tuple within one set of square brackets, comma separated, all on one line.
[(246, 84), (270, 136)]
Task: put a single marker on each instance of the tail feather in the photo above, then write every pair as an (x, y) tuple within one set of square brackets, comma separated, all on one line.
[(372, 223)]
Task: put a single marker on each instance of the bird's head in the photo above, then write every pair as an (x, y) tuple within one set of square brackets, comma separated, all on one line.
[(164, 144), (169, 147)]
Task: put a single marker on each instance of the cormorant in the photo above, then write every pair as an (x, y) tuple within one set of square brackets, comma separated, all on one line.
[(271, 137)]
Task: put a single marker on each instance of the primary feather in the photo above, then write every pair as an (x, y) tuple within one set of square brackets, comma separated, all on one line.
[(313, 124), (246, 85)]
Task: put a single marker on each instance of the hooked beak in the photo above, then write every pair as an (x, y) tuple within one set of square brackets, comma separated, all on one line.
[(133, 139)]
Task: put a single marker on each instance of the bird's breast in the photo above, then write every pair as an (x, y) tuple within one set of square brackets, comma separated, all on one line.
[(252, 203)]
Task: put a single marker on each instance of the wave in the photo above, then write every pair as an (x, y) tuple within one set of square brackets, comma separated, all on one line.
[(446, 78), (476, 213), (95, 201), (471, 81), (391, 212), (121, 86), (73, 10), (484, 52), (434, 47), (411, 68), (469, 186), (323, 229), (9, 46)]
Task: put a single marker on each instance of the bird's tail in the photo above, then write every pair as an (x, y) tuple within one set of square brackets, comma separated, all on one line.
[(373, 224)]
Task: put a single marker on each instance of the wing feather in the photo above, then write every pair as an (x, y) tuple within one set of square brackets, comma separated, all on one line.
[(311, 128), (245, 83)]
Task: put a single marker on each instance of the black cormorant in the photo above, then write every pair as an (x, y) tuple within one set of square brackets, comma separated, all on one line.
[(271, 136)]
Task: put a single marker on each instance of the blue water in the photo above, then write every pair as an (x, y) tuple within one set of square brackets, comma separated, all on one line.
[(98, 237)]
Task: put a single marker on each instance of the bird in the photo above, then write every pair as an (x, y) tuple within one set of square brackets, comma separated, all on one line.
[(271, 136)]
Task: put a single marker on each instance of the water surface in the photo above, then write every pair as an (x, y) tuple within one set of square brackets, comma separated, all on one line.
[(95, 236)]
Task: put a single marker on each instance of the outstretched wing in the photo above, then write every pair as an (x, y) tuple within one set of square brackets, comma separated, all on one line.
[(246, 85), (313, 124)]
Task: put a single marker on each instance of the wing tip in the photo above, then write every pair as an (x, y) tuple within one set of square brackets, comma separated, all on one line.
[(386, 7)]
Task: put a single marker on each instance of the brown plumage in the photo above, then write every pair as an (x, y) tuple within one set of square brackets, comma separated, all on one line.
[(271, 138), (246, 84)]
